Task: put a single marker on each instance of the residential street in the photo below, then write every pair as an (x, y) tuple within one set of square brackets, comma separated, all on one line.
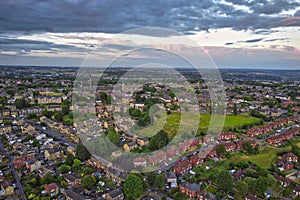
[(16, 176)]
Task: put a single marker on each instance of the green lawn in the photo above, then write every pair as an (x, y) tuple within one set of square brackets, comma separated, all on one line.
[(190, 120), (264, 159)]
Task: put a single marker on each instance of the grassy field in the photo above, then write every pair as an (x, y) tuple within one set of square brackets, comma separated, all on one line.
[(170, 123), (265, 159)]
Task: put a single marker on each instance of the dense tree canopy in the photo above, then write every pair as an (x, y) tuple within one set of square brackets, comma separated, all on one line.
[(159, 140), (113, 136), (224, 181), (221, 150), (82, 153), (133, 187), (88, 182)]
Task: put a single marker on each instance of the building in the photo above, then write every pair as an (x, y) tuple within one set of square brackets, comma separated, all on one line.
[(290, 157), (142, 141), (139, 162), (72, 195), (49, 100), (197, 160), (6, 113), (116, 175), (72, 180), (189, 189), (33, 165), (202, 195), (115, 195), (129, 146), (251, 197), (52, 189), (54, 154), (227, 136), (54, 108), (5, 129), (182, 166), (171, 178), (7, 188)]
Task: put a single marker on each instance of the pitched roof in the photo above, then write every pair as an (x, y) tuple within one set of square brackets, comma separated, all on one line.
[(171, 174), (73, 195), (191, 186), (115, 193)]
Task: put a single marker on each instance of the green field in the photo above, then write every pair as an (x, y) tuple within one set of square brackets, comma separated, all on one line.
[(264, 159), (170, 123)]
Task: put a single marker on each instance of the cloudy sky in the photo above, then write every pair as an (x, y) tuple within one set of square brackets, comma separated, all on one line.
[(235, 33)]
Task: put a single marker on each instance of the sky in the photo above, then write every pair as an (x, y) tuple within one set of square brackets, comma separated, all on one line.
[(234, 33)]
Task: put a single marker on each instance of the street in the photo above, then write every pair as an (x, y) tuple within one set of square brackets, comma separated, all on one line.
[(16, 176)]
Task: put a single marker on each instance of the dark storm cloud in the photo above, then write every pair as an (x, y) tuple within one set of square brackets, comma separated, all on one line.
[(8, 44), (119, 15), (276, 39), (254, 40)]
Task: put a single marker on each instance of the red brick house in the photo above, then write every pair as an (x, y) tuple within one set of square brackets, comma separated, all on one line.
[(139, 162), (21, 162), (227, 136), (208, 139), (195, 142), (52, 189), (286, 135), (183, 146), (72, 180), (229, 146), (239, 144), (197, 160), (285, 182), (201, 195), (182, 166), (172, 151), (251, 197), (189, 189), (290, 157)]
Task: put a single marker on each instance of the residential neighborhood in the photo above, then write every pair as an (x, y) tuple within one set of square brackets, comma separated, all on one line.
[(46, 153)]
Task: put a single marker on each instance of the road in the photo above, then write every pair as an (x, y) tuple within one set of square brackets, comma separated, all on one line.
[(15, 174), (61, 137)]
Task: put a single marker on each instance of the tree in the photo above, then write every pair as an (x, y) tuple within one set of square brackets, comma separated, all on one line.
[(88, 182), (235, 111), (64, 168), (220, 149), (224, 181), (286, 192), (113, 136), (160, 181), (36, 143), (159, 140), (21, 103), (64, 184), (47, 114), (76, 164), (48, 179), (65, 110), (82, 153), (156, 180), (69, 159), (247, 146), (58, 116), (31, 116), (133, 187), (262, 185), (241, 189)]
